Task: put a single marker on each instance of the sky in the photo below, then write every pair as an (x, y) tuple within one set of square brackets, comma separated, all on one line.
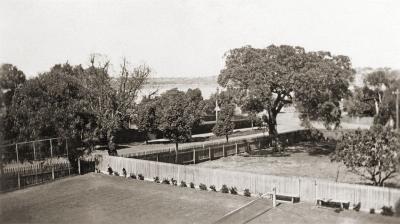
[(189, 38)]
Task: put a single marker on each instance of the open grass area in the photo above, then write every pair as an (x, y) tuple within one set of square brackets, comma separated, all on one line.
[(303, 159), (99, 198)]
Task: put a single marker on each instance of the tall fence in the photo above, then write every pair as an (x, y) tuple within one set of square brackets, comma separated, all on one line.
[(33, 162), (210, 151), (308, 189)]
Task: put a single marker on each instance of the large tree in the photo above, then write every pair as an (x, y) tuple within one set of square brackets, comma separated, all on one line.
[(278, 76), (373, 154)]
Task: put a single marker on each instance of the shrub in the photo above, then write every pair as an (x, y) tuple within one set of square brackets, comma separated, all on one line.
[(203, 187), (233, 190), (247, 192), (183, 184), (387, 211), (133, 176), (372, 211), (212, 187), (191, 185), (357, 207), (116, 173), (174, 182), (397, 208), (110, 170), (165, 181), (156, 179), (224, 189), (140, 176), (124, 172)]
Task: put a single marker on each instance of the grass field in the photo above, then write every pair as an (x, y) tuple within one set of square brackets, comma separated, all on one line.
[(98, 198), (303, 159)]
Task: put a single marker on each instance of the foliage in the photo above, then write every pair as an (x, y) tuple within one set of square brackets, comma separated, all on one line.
[(275, 77), (133, 176), (225, 125), (397, 208), (357, 207), (183, 184), (247, 192), (124, 172), (224, 189), (212, 187), (372, 211), (191, 185), (146, 120), (387, 211), (203, 187), (110, 170), (174, 182), (140, 177), (165, 181), (116, 173), (373, 154), (233, 190), (156, 179)]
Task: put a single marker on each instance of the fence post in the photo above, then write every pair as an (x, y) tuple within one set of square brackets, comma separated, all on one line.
[(274, 197), (69, 165), (79, 166), (157, 156), (194, 156), (259, 144), (34, 151), (223, 150), (209, 153), (316, 190), (236, 148), (16, 151), (51, 155), (19, 181)]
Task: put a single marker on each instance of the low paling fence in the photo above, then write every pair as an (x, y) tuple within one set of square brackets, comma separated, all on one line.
[(308, 189), (210, 151)]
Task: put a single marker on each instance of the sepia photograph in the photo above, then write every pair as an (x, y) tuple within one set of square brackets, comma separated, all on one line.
[(200, 111)]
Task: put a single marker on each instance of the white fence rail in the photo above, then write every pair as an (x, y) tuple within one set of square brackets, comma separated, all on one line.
[(308, 189)]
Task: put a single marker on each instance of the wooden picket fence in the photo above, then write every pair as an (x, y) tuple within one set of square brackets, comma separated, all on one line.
[(308, 189)]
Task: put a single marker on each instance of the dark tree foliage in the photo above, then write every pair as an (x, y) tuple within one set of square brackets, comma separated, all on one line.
[(277, 76), (373, 154), (146, 117), (225, 125)]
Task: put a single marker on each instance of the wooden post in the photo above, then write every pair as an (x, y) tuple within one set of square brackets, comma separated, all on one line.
[(19, 181), (236, 148), (209, 153), (316, 191), (34, 151), (69, 165), (51, 155), (16, 152), (274, 197), (223, 150), (194, 156), (79, 166), (158, 156), (299, 188), (259, 144)]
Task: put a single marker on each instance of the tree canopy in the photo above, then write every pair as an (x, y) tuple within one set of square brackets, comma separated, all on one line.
[(373, 154), (225, 125), (277, 76)]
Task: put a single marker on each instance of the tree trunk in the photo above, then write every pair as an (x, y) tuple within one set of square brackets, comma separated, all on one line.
[(176, 152), (272, 128), (227, 138)]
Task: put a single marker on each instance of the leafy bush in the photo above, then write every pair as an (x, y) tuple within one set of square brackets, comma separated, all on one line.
[(387, 211), (183, 184), (140, 176), (133, 176), (224, 189), (247, 192), (165, 181), (156, 179), (203, 187), (212, 187), (110, 170), (174, 182), (372, 211), (397, 208), (357, 207), (124, 172), (116, 173), (233, 190), (191, 185)]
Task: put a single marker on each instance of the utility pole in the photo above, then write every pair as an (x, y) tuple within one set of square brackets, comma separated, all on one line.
[(397, 93)]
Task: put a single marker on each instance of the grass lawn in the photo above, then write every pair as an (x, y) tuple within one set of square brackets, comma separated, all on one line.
[(99, 198), (303, 159)]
